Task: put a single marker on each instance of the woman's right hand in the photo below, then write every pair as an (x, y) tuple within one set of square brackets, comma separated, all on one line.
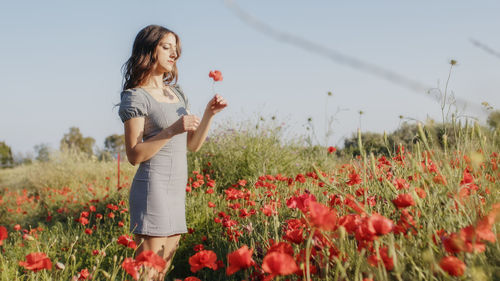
[(186, 123)]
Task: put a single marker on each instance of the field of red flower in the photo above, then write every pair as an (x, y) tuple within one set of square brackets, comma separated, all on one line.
[(426, 215)]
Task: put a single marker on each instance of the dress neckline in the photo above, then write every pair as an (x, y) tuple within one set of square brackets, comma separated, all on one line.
[(173, 91)]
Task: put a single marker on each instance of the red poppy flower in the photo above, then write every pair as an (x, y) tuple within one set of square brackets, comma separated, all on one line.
[(216, 75), (401, 184), (198, 247), (277, 263), (151, 259), (3, 234), (403, 201), (205, 258), (331, 149), (126, 240), (281, 247), (294, 235), (300, 202), (191, 278), (36, 262), (322, 216), (84, 274), (384, 254), (83, 220), (354, 178), (420, 192), (131, 267), (239, 259), (452, 265), (381, 224)]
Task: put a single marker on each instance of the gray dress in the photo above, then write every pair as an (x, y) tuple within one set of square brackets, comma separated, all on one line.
[(158, 191)]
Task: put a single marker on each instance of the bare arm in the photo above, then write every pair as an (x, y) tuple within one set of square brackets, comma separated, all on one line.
[(197, 137), (138, 151)]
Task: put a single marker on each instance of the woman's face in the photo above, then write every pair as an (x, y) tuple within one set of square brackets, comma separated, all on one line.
[(166, 53)]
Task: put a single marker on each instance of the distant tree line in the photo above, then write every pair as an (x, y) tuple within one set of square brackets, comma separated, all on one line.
[(406, 135), (74, 140)]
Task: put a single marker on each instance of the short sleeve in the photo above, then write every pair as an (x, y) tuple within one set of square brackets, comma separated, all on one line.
[(133, 104), (186, 101)]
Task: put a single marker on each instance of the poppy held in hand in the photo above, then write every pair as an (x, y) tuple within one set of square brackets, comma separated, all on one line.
[(216, 75)]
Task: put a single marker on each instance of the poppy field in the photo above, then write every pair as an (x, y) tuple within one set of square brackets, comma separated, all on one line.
[(419, 213)]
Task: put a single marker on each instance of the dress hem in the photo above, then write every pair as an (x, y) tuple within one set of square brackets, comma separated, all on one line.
[(161, 234)]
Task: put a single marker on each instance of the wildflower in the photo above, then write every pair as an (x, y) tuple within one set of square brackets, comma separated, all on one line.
[(403, 201), (420, 192), (83, 220), (126, 240), (331, 149), (300, 202), (354, 178), (452, 265), (401, 184), (201, 259), (269, 210), (3, 234), (321, 216), (381, 224), (294, 235), (16, 228), (198, 247), (239, 259), (151, 259), (84, 274), (60, 265), (440, 179), (216, 75), (278, 263), (88, 231), (191, 278), (131, 267), (36, 261), (373, 260)]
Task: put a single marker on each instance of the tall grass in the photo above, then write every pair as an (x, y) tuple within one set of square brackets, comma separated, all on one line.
[(268, 171)]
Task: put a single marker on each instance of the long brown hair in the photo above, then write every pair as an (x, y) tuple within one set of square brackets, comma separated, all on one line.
[(140, 64)]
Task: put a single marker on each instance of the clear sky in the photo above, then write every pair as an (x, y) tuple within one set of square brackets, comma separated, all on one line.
[(61, 62)]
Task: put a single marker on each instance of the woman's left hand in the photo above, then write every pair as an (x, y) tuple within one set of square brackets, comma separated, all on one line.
[(216, 104)]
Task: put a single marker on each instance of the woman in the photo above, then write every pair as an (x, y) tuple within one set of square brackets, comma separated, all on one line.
[(158, 130)]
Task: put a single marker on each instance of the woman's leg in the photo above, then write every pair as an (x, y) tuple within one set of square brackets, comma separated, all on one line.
[(165, 247)]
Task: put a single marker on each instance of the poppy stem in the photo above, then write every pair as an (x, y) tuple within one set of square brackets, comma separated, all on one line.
[(308, 254)]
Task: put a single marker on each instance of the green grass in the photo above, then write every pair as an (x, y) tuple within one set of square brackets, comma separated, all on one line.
[(70, 182)]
